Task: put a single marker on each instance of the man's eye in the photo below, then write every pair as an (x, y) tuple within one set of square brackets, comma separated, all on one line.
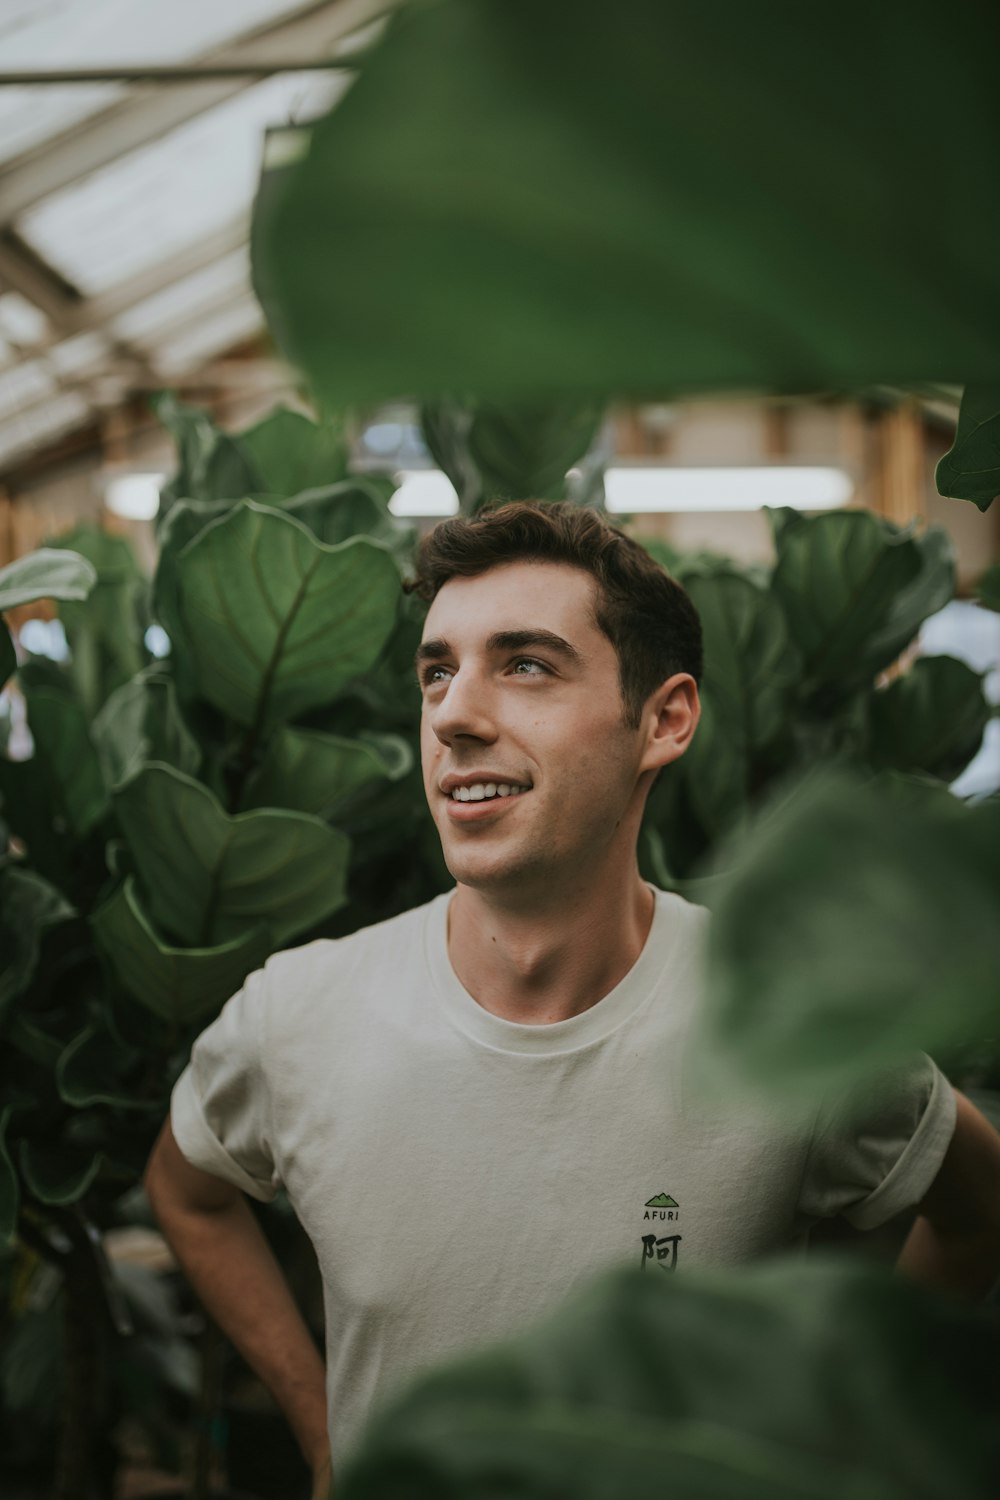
[(430, 675), (535, 668)]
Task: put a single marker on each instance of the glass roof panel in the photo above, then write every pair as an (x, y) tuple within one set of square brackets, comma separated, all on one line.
[(211, 336), (42, 423), (47, 34), (23, 384), (149, 205), (22, 322), (179, 301)]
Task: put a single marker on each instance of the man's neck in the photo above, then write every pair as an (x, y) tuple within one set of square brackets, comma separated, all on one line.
[(548, 963)]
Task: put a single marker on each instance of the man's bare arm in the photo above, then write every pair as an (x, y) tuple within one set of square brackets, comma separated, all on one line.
[(218, 1242), (954, 1244)]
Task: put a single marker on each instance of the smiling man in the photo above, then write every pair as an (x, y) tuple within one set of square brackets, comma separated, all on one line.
[(479, 1104)]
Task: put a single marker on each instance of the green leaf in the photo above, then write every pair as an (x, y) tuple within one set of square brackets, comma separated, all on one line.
[(446, 427), (274, 622), (751, 663), (929, 591), (63, 745), (844, 580), (689, 223), (105, 631), (10, 1188), (210, 877), (141, 722), (8, 656), (988, 588), (58, 1175), (930, 720), (854, 925), (94, 1068), (791, 1380), (716, 767), (970, 470), (290, 453), (180, 985), (319, 773), (212, 466), (28, 906), (355, 507), (29, 812), (48, 573), (521, 451)]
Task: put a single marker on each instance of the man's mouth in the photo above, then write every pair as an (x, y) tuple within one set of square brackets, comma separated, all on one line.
[(484, 791)]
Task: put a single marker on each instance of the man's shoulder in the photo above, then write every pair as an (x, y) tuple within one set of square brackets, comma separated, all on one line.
[(328, 965)]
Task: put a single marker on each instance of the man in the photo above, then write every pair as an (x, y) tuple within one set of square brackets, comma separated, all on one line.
[(480, 1103)]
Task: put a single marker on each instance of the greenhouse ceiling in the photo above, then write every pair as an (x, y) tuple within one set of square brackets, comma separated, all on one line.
[(130, 144)]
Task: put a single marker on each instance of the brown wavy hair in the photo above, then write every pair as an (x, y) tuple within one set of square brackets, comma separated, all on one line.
[(645, 614)]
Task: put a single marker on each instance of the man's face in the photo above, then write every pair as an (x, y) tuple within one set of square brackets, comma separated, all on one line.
[(520, 690)]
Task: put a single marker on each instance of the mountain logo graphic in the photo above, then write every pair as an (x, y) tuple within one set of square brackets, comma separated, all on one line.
[(662, 1200)]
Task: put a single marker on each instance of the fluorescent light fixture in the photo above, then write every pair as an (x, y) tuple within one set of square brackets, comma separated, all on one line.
[(424, 492), (629, 489), (135, 496), (666, 489)]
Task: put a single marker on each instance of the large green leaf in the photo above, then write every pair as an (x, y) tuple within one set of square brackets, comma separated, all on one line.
[(290, 453), (751, 662), (932, 719), (210, 877), (354, 507), (988, 588), (28, 905), (63, 745), (970, 470), (854, 925), (321, 773), (105, 630), (854, 591), (58, 1175), (520, 451), (10, 1188), (8, 656), (49, 573), (141, 722), (211, 465), (274, 622), (681, 201), (96, 1068), (787, 1381), (929, 591), (180, 985)]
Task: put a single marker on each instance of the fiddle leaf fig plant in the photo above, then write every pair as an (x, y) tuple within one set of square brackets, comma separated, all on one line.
[(970, 469)]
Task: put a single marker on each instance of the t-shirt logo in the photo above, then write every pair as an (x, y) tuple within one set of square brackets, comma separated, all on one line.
[(661, 1249)]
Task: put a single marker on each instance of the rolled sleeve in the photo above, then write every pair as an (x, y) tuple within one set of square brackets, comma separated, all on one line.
[(878, 1153), (219, 1108)]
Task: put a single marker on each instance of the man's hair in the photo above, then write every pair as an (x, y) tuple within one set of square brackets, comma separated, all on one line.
[(644, 613)]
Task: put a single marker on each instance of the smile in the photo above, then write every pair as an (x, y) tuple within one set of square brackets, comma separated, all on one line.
[(484, 791)]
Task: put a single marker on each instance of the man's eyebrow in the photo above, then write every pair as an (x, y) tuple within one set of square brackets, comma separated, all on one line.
[(433, 650), (505, 640), (547, 640)]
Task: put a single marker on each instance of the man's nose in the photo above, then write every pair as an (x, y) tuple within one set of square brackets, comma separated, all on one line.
[(465, 710)]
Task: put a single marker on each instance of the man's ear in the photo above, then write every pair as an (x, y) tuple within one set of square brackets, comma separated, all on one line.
[(671, 717)]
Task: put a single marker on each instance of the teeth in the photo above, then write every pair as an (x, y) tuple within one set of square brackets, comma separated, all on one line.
[(482, 791)]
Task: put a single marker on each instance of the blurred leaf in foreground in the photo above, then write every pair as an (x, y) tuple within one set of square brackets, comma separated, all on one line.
[(683, 200), (785, 1381), (855, 925), (970, 470)]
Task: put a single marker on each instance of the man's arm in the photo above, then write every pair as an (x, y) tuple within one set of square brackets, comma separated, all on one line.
[(218, 1242), (954, 1244)]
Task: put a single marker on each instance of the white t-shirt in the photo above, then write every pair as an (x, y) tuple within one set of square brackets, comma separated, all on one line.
[(459, 1173)]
